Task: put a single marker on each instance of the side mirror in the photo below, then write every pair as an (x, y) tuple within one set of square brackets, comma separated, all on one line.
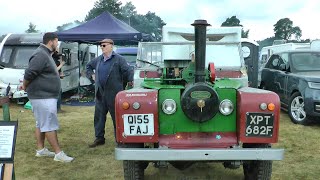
[(283, 67)]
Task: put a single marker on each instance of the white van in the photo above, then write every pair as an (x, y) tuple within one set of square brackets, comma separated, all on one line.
[(15, 52), (267, 51)]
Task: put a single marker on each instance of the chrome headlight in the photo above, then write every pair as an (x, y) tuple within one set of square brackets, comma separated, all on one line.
[(314, 85), (226, 107), (169, 106)]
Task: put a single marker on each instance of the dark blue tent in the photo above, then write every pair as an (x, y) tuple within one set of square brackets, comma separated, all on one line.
[(103, 26)]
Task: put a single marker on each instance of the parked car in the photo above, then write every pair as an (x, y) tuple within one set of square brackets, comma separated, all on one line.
[(129, 53), (295, 76)]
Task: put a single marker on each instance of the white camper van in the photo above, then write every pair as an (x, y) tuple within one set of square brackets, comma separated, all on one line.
[(267, 51), (15, 52)]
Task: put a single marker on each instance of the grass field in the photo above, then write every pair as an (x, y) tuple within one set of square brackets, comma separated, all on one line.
[(301, 143)]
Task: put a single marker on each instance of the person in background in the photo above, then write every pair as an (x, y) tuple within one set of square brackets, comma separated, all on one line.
[(59, 63), (42, 83), (110, 70)]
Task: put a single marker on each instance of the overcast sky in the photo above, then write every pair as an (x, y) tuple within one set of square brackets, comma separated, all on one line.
[(256, 15)]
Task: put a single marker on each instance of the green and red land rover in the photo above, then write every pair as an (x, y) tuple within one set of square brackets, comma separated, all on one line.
[(189, 105)]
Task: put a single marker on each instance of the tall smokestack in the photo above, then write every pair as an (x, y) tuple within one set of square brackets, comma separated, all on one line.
[(200, 35)]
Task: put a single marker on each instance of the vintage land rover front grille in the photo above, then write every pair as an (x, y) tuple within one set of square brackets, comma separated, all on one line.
[(317, 107)]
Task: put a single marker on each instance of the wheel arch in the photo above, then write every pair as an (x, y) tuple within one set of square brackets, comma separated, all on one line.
[(294, 91)]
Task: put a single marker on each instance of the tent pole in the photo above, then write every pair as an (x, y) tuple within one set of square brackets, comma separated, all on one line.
[(79, 53)]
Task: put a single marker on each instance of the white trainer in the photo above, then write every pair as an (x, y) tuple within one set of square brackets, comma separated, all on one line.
[(62, 157), (44, 153)]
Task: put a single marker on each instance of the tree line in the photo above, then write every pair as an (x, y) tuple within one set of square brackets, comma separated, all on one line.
[(152, 24)]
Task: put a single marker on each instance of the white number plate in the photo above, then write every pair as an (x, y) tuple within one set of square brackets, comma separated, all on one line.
[(138, 124), (259, 125)]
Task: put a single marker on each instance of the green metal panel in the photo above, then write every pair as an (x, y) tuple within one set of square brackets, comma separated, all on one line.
[(220, 122), (178, 122)]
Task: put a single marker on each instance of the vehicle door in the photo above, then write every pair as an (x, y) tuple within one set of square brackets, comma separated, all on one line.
[(281, 78), (269, 73), (70, 70)]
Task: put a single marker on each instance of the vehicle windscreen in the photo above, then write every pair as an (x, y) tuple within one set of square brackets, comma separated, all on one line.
[(222, 55), (5, 55), (306, 61), (16, 56), (130, 58)]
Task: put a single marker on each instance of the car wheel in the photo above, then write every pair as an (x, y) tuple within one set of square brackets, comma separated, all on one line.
[(296, 110), (257, 170), (133, 170)]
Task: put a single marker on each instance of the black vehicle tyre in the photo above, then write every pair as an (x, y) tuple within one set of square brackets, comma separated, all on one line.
[(257, 170), (181, 165), (133, 170), (296, 110), (262, 86)]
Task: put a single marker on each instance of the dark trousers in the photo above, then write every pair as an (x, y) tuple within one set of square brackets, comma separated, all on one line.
[(104, 104)]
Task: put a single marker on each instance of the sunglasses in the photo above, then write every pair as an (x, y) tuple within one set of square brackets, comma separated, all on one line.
[(104, 45)]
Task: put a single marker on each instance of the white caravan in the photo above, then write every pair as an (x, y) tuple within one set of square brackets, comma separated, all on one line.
[(267, 51), (15, 52)]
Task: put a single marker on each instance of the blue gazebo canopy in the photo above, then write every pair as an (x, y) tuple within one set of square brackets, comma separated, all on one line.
[(103, 26)]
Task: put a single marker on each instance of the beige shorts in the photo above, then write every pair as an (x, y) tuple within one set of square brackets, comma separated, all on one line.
[(45, 113)]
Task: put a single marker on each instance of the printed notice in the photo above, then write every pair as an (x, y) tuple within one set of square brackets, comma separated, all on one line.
[(6, 141)]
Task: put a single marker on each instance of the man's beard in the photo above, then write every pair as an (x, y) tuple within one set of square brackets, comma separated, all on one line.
[(54, 48)]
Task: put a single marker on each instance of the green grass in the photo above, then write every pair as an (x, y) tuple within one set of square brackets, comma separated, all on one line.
[(301, 143)]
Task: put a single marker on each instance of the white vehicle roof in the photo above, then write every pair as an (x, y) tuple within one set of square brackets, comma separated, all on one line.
[(223, 45)]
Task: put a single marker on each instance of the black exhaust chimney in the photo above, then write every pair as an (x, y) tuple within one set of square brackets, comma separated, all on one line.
[(200, 37)]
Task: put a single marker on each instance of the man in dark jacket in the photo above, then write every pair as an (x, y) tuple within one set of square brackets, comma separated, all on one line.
[(42, 83), (110, 70)]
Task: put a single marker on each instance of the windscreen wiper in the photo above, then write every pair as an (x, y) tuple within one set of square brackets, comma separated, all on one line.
[(144, 61)]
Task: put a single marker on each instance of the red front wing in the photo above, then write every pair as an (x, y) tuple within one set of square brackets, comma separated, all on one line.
[(130, 126), (255, 125)]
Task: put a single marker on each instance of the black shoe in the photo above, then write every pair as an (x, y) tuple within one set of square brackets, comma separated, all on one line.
[(97, 143)]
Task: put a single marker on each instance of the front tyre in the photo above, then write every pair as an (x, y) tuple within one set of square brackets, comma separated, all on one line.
[(133, 170), (257, 170)]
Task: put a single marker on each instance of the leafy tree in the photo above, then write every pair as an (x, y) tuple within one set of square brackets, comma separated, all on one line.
[(112, 6), (32, 28), (149, 24), (234, 21), (284, 29), (266, 42), (244, 34), (128, 11), (69, 25)]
